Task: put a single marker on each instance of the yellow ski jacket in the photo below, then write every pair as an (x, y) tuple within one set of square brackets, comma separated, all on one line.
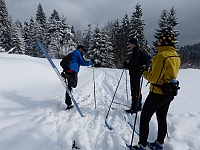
[(164, 68)]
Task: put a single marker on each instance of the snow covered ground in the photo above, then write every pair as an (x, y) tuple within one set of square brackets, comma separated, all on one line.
[(32, 114)]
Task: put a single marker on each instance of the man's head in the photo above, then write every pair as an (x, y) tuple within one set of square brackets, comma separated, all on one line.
[(81, 48), (166, 38), (133, 42)]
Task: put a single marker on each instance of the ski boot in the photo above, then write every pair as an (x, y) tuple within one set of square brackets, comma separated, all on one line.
[(137, 147), (155, 145), (69, 107)]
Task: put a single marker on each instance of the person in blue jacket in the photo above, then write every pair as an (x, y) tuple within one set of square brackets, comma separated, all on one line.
[(76, 61)]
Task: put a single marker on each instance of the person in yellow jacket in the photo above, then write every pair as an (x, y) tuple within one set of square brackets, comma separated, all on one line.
[(164, 68)]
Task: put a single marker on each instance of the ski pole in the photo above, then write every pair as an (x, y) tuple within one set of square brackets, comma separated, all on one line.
[(114, 94), (139, 101), (94, 88), (133, 129), (109, 127), (126, 86)]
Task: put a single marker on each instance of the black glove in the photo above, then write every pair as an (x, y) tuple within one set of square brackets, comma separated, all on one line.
[(143, 68), (125, 65)]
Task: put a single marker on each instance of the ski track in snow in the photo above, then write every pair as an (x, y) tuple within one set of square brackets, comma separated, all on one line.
[(32, 114), (88, 128)]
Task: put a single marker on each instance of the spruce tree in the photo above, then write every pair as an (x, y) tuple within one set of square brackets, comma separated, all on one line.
[(172, 22), (41, 24), (106, 49), (17, 38), (168, 20), (25, 32), (64, 32), (72, 42), (115, 40), (5, 27), (32, 48), (94, 47), (124, 38), (137, 26), (163, 24), (53, 34), (67, 44), (87, 36), (87, 39)]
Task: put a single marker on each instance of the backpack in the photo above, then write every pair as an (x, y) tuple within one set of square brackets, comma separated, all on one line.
[(65, 61), (145, 60)]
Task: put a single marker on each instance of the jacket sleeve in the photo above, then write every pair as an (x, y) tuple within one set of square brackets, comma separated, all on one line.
[(82, 62), (157, 70)]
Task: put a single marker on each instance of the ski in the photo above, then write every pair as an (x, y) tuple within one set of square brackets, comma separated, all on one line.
[(59, 76), (111, 128), (85, 98), (136, 131), (121, 104), (126, 143)]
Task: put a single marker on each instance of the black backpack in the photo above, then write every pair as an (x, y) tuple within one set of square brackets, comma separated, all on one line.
[(145, 60), (65, 61)]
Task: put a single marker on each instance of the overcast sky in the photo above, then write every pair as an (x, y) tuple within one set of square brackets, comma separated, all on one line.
[(80, 13)]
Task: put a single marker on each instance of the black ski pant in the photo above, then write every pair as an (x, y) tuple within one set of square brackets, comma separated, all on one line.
[(159, 104), (135, 89), (72, 80)]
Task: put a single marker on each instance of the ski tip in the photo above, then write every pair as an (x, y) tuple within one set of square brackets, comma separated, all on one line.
[(107, 125)]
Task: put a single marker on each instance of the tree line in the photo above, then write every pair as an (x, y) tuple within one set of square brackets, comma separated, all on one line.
[(190, 56), (108, 45)]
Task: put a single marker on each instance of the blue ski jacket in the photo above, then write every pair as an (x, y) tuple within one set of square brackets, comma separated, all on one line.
[(77, 60)]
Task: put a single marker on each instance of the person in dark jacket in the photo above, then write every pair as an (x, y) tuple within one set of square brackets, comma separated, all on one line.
[(164, 68), (76, 61), (133, 66)]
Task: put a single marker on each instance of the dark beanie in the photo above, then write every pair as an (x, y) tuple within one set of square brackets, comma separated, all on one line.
[(133, 41), (82, 47), (166, 38)]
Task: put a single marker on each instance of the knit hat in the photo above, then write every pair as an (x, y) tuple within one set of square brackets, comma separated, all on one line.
[(82, 47), (167, 38), (133, 41)]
